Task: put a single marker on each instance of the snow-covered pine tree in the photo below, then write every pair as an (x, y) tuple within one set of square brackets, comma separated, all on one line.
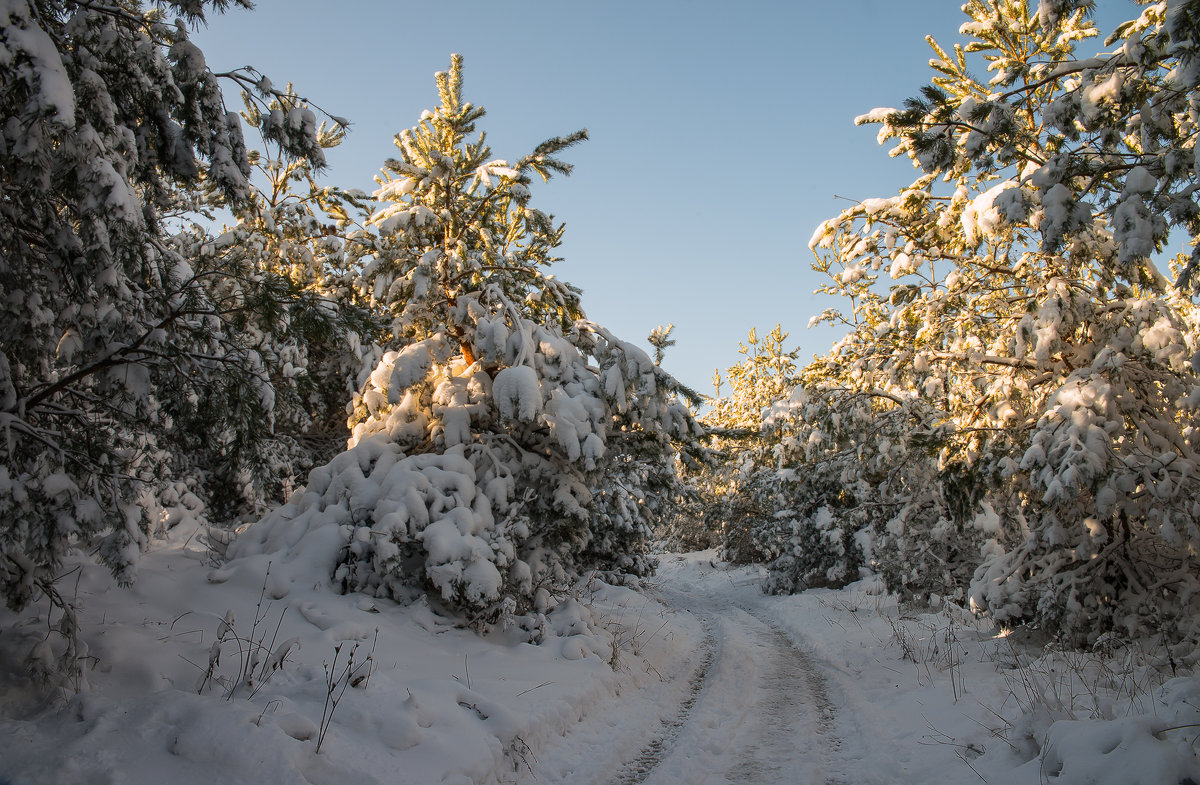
[(1028, 317), (766, 375), (487, 442), (285, 275), (854, 480), (112, 118), (736, 506), (808, 470), (642, 492), (314, 237)]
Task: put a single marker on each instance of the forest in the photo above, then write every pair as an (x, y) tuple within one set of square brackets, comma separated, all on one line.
[(225, 381)]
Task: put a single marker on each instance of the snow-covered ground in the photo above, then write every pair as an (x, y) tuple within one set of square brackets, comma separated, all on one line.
[(435, 704), (700, 678), (847, 687)]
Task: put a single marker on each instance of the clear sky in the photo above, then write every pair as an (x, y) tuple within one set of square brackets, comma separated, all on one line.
[(721, 133)]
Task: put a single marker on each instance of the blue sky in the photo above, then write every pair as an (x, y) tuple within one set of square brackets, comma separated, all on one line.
[(721, 133)]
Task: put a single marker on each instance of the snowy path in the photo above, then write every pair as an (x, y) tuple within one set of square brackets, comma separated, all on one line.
[(752, 708), (761, 713)]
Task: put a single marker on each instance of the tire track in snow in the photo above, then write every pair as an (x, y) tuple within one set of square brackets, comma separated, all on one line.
[(636, 770), (757, 711), (795, 694)]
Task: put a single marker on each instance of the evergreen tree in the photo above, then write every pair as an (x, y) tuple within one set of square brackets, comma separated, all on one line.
[(1049, 364), (113, 339), (734, 480), (503, 443), (285, 277), (767, 375)]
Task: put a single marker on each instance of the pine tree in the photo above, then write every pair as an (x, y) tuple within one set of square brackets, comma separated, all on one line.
[(1051, 361), (503, 442), (113, 340), (285, 276), (738, 498), (767, 375)]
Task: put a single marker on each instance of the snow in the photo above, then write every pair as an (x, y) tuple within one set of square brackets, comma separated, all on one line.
[(1139, 181), (54, 94), (987, 521), (441, 704), (877, 115), (925, 697), (395, 189), (847, 686), (59, 484), (822, 234), (1094, 96), (1058, 207), (902, 265), (700, 678), (988, 212), (1134, 228), (517, 393), (876, 206), (1126, 751), (410, 365)]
